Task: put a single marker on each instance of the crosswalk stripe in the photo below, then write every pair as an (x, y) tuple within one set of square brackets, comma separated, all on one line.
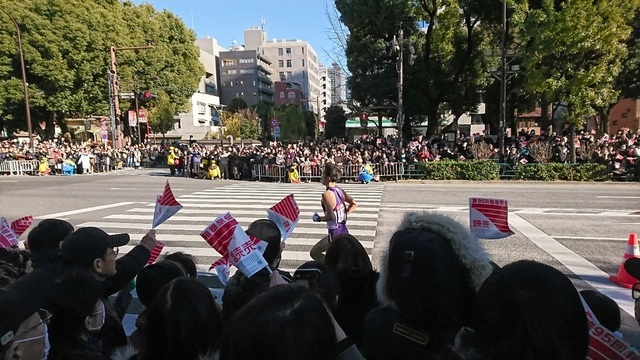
[(198, 239), (247, 202), (225, 206), (208, 219), (259, 213), (267, 202), (165, 226)]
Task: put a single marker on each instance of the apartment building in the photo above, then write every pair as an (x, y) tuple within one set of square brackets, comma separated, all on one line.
[(295, 61), (325, 94), (204, 105), (288, 92), (246, 74)]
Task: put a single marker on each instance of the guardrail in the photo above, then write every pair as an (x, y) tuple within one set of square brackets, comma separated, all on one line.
[(393, 171), (19, 167)]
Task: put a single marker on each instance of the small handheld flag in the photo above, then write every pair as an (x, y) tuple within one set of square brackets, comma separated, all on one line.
[(8, 237), (155, 253), (286, 215), (166, 206), (489, 218), (19, 226)]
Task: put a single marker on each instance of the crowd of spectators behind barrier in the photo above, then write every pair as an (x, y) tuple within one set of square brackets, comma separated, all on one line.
[(619, 152)]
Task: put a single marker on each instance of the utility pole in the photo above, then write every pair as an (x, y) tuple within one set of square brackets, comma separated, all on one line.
[(135, 96), (112, 109), (116, 88), (25, 85), (400, 69), (503, 78)]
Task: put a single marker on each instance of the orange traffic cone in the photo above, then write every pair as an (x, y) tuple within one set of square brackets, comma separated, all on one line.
[(623, 278)]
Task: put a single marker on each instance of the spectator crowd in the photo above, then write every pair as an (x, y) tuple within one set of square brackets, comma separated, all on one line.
[(620, 152), (435, 294)]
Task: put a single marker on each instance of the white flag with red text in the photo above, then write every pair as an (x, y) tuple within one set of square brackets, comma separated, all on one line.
[(286, 215), (603, 344), (228, 238), (488, 218), (166, 206)]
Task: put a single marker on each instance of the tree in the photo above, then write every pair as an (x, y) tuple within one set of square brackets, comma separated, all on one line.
[(236, 104), (448, 52), (310, 123), (242, 124), (291, 119), (162, 114), (66, 58), (336, 122), (575, 53), (265, 113)]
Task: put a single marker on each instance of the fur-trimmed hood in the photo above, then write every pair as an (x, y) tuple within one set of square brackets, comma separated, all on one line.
[(466, 248)]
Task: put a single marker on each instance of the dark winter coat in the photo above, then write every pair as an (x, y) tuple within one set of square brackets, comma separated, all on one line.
[(357, 297)]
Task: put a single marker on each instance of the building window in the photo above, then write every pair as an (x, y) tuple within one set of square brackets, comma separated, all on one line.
[(208, 89), (615, 122), (237, 94), (302, 62), (279, 51), (281, 74), (289, 63), (246, 61), (247, 71), (201, 109), (241, 83), (304, 74), (292, 95), (288, 51), (302, 51), (281, 94), (281, 63), (241, 94), (232, 72), (229, 62), (625, 115), (254, 83), (289, 74)]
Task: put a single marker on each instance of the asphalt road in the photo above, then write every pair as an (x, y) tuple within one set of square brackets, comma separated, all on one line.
[(579, 228)]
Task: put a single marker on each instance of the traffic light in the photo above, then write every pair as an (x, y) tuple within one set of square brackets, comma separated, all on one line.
[(147, 95), (364, 120)]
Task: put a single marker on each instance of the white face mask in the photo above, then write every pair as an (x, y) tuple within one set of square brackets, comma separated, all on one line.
[(97, 318)]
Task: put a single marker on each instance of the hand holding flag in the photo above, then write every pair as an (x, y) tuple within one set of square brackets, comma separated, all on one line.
[(166, 206), (9, 234)]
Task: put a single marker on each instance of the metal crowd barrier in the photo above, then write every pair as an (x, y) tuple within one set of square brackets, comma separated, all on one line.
[(19, 167), (393, 171)]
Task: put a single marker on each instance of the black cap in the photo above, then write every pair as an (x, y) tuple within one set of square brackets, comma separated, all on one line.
[(632, 266), (85, 245), (22, 299)]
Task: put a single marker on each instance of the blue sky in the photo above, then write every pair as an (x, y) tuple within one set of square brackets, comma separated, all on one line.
[(225, 20)]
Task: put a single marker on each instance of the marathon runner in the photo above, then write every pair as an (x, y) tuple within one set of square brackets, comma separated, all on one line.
[(334, 204)]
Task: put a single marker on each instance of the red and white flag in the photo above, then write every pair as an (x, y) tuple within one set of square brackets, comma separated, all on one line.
[(8, 237), (603, 344), (523, 161), (222, 269), (489, 218), (155, 253), (228, 238), (286, 215), (166, 206), (19, 226)]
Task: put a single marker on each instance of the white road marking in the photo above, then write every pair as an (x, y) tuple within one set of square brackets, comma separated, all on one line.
[(617, 197), (183, 227), (127, 189), (198, 239), (587, 238), (208, 219), (588, 272), (8, 181), (268, 202), (86, 210), (226, 207), (258, 213)]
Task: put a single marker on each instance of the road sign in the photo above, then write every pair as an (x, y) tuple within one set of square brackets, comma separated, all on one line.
[(142, 115), (276, 131), (104, 135), (103, 127), (127, 96), (274, 122)]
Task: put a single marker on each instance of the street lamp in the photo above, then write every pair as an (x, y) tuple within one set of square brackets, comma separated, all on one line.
[(24, 78), (506, 57), (397, 45), (115, 87)]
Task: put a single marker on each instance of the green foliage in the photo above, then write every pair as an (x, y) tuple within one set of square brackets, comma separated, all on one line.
[(335, 122), (462, 170), (628, 81), (265, 113), (66, 46), (242, 124), (292, 122), (236, 104), (563, 172), (161, 115)]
